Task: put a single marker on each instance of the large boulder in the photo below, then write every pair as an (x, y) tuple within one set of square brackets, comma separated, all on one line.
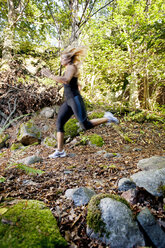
[(29, 224), (151, 228), (29, 133), (152, 181), (152, 163), (110, 220)]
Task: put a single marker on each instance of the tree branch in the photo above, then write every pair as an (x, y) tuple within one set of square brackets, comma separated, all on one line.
[(84, 10), (52, 16), (11, 113), (89, 16), (20, 15)]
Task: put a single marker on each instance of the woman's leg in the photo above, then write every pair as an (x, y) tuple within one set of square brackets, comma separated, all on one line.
[(64, 115), (78, 107), (96, 122), (60, 141)]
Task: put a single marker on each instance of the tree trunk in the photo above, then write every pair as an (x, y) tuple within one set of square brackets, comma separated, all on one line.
[(133, 90), (8, 35), (74, 6), (134, 102), (146, 96)]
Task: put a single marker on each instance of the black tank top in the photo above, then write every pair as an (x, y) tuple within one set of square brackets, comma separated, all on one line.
[(71, 89)]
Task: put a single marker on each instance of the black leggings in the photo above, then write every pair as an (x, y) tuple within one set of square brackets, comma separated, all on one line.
[(72, 106)]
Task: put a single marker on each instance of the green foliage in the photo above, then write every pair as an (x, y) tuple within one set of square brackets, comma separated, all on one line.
[(71, 128), (15, 146), (142, 116), (27, 169), (2, 179), (23, 230), (2, 154)]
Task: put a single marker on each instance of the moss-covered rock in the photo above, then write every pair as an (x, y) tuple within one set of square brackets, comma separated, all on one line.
[(71, 128), (3, 139), (95, 115), (28, 133), (94, 220), (96, 140), (49, 142), (29, 224), (110, 220)]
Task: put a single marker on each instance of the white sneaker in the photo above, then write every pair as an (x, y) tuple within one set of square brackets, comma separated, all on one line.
[(57, 154), (111, 117)]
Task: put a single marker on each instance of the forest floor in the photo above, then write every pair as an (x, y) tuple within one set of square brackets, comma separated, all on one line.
[(84, 167)]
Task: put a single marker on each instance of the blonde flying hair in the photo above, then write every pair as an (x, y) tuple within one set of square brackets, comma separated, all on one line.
[(76, 54)]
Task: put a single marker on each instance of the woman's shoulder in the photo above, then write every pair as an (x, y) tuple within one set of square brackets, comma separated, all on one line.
[(73, 68)]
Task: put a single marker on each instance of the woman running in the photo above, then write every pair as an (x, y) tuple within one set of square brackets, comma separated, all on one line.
[(74, 103)]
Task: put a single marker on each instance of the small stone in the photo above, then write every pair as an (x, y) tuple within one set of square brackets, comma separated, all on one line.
[(130, 196), (80, 196), (68, 172), (125, 184), (71, 155), (137, 149), (29, 182), (47, 112)]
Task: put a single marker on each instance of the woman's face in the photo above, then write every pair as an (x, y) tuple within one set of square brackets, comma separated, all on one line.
[(65, 60)]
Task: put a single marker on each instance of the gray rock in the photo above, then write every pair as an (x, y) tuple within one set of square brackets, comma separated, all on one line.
[(137, 149), (71, 155), (29, 133), (80, 196), (111, 155), (68, 172), (47, 112), (153, 163), (151, 228), (125, 184), (151, 180), (101, 152), (29, 183), (120, 228), (30, 160)]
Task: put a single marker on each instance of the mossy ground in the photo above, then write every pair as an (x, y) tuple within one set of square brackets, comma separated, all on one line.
[(29, 224), (94, 220)]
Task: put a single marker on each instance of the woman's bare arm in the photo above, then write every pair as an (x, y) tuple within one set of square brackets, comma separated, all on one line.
[(70, 72)]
